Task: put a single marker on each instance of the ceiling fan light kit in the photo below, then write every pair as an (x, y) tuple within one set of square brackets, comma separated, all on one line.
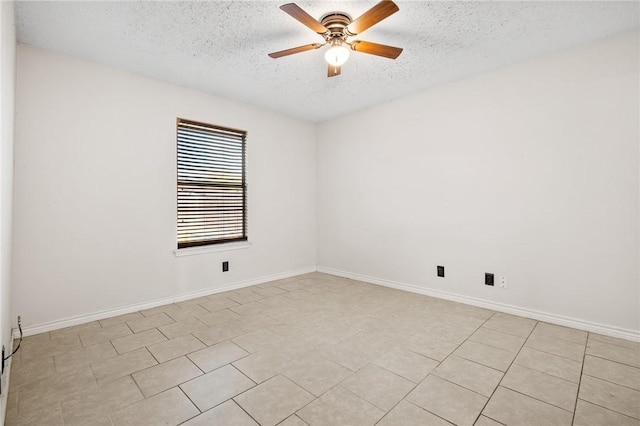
[(337, 55), (336, 28)]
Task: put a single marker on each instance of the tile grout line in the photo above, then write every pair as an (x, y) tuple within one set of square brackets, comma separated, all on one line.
[(199, 340), (609, 381), (539, 400), (242, 408), (194, 363), (634, 343), (505, 373), (403, 398), (191, 401), (604, 380), (609, 409), (549, 353), (415, 385), (637, 367), (114, 348), (456, 348), (160, 331), (546, 374), (133, 379), (584, 355)]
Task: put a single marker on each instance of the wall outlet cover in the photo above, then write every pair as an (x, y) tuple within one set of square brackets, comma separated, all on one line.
[(503, 282)]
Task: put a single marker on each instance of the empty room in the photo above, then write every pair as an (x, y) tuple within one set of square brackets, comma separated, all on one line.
[(320, 213)]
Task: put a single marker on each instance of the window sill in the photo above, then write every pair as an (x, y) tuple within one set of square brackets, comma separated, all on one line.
[(211, 249)]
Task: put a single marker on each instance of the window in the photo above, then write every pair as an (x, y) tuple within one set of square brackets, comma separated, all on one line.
[(212, 189)]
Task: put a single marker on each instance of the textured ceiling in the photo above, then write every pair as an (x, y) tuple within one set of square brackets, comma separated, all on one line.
[(221, 47)]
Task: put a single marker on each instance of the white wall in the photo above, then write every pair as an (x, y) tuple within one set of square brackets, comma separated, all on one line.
[(529, 172), (95, 190), (7, 84), (7, 96)]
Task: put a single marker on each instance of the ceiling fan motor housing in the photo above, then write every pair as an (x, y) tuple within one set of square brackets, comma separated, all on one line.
[(336, 23)]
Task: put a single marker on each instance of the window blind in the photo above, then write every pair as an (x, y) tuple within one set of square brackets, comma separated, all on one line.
[(212, 190)]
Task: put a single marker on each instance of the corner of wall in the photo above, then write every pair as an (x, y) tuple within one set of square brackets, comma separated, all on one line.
[(7, 96)]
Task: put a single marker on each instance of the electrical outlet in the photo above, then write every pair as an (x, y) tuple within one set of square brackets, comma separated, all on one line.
[(488, 279), (503, 282), (440, 271), (225, 266)]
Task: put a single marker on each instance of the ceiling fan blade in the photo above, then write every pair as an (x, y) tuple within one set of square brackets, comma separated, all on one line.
[(293, 50), (297, 13), (333, 70), (377, 13), (376, 49)]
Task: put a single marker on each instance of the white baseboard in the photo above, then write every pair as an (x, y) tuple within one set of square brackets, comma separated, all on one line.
[(82, 319), (500, 307), (627, 334)]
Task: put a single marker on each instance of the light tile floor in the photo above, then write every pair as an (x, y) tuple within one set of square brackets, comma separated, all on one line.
[(323, 350)]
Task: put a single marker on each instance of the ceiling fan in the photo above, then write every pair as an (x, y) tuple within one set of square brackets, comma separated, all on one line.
[(336, 28)]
